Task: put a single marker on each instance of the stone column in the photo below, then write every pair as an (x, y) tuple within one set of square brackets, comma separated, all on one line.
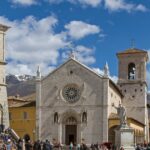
[(3, 91), (105, 110), (38, 105)]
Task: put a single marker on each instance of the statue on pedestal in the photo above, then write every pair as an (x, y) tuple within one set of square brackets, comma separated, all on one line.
[(121, 111)]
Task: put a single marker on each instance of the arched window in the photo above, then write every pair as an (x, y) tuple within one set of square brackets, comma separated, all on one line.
[(84, 117), (131, 71), (55, 117)]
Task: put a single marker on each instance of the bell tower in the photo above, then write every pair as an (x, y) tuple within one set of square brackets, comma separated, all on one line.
[(132, 65), (3, 92), (132, 83)]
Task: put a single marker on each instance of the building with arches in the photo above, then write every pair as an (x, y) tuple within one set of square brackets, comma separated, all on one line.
[(74, 102)]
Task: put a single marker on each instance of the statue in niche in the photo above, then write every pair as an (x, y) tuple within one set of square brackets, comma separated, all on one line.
[(121, 111), (56, 117), (84, 117)]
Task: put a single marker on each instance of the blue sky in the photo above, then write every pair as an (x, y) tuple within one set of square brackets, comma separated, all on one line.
[(43, 32)]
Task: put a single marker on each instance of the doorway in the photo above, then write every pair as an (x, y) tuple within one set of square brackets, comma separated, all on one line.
[(71, 134)]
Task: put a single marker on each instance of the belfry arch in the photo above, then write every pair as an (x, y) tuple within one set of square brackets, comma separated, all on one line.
[(131, 71)]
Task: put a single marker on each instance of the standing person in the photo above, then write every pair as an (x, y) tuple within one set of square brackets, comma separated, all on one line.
[(37, 145), (121, 148), (9, 145), (2, 145), (71, 146), (19, 144), (92, 147), (47, 145), (78, 146), (84, 147), (28, 145)]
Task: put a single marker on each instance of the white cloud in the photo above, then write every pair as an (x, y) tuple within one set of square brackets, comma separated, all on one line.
[(141, 7), (82, 53), (24, 2), (79, 29), (114, 79), (85, 55), (116, 5), (18, 69), (98, 71), (101, 72), (111, 5), (55, 1), (92, 3), (31, 42)]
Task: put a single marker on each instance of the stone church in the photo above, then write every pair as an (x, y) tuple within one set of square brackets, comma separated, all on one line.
[(74, 102)]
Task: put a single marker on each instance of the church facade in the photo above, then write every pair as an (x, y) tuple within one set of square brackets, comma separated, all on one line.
[(74, 103)]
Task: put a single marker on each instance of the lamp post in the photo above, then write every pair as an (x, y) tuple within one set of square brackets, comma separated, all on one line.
[(1, 125)]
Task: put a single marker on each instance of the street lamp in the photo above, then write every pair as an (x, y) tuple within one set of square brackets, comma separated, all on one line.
[(1, 125)]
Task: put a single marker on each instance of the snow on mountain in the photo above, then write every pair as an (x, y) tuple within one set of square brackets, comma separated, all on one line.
[(24, 77), (16, 78)]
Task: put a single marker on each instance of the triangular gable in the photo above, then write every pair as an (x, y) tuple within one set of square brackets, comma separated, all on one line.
[(87, 68), (76, 61)]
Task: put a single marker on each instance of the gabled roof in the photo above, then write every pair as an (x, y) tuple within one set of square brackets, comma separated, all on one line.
[(133, 51), (25, 104), (89, 69), (76, 61)]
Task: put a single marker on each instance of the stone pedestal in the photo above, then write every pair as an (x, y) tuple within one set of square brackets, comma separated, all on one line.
[(124, 136)]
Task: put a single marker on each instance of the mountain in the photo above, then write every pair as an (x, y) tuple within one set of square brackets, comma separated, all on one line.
[(21, 85)]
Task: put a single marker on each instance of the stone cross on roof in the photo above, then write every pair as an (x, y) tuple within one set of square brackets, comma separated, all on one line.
[(72, 55)]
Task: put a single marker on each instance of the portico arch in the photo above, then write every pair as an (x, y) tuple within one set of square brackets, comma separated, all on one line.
[(71, 127)]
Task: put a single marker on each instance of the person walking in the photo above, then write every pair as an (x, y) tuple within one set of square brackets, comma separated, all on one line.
[(71, 146)]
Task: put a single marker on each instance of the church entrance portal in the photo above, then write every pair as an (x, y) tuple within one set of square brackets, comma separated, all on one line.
[(71, 131), (71, 134)]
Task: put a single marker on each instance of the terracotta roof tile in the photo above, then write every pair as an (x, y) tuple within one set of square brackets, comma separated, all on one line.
[(132, 50)]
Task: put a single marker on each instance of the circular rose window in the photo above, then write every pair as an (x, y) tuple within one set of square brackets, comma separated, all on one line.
[(71, 93)]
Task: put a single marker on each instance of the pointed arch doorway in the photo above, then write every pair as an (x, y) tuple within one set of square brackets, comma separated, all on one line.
[(71, 130)]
